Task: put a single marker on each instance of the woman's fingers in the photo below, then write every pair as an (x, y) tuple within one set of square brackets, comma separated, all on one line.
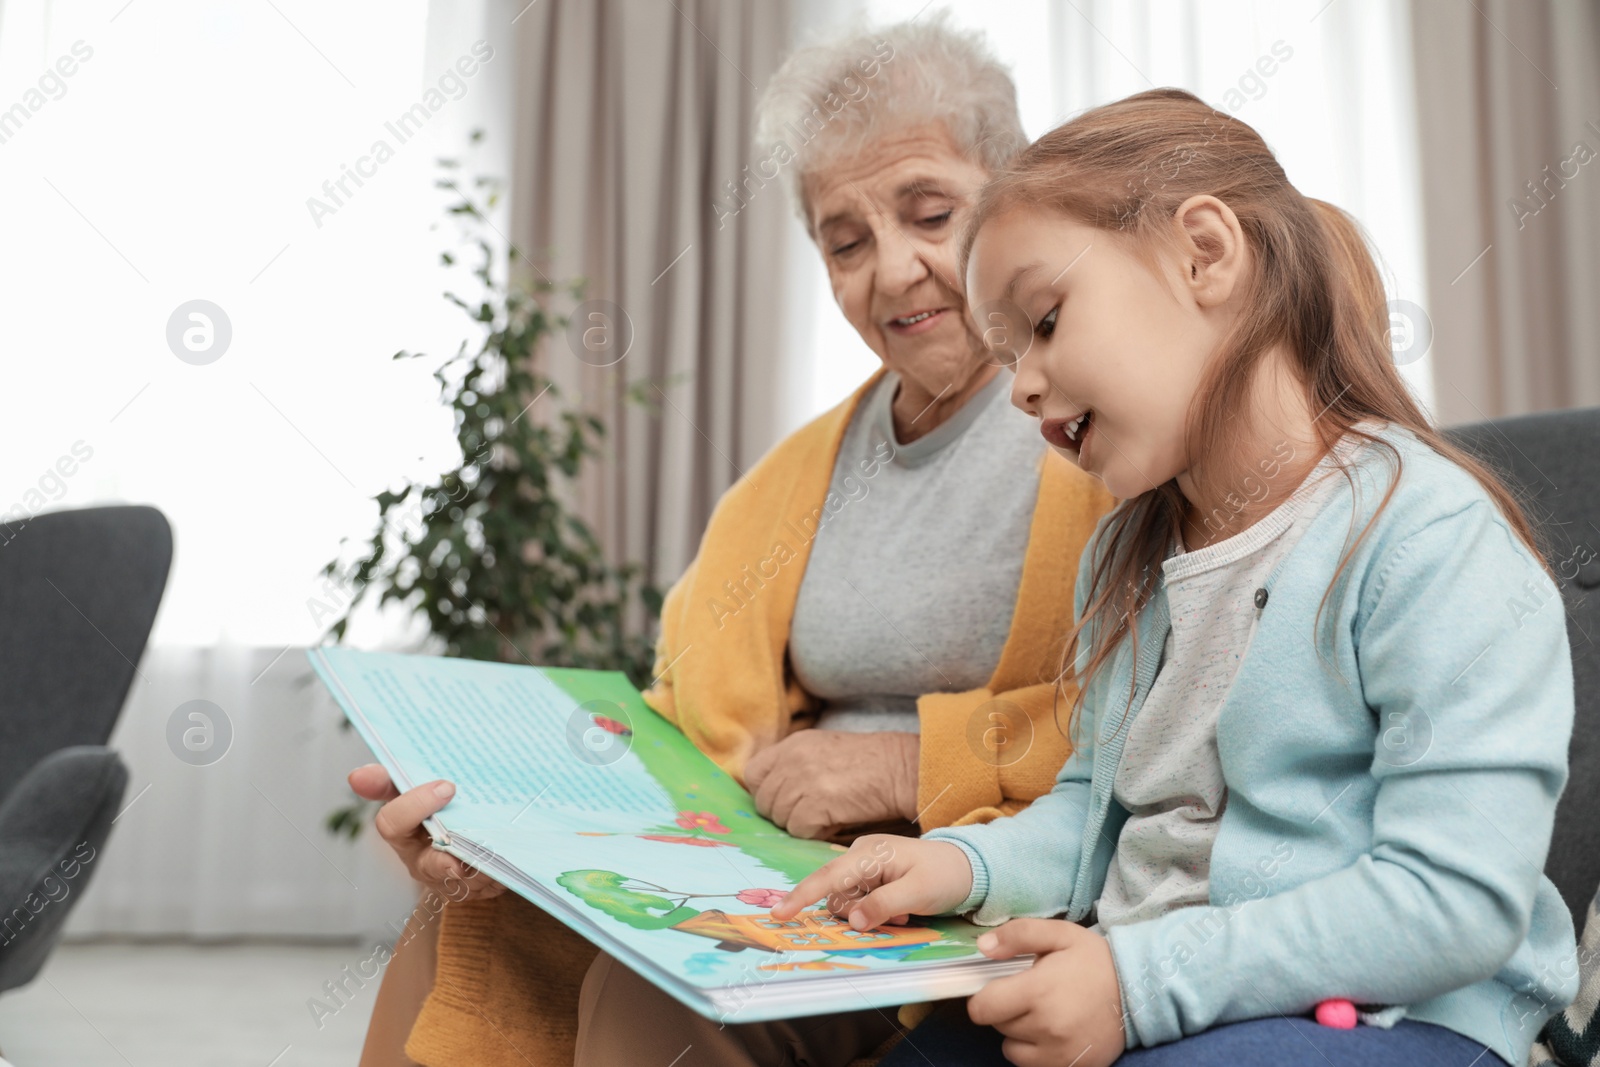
[(399, 822), (401, 818), (757, 767), (371, 782), (455, 879), (436, 867), (779, 799), (782, 797), (807, 820), (480, 885), (761, 790)]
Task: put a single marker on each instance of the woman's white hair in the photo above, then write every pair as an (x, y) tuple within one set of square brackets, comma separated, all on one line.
[(832, 98)]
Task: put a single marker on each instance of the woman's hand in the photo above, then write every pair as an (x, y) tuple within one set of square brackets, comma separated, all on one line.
[(399, 822), (815, 783), (884, 879), (1066, 1008)]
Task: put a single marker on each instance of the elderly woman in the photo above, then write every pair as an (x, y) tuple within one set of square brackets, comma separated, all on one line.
[(870, 633)]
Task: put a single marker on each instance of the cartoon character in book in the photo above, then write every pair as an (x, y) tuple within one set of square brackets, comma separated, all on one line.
[(647, 906)]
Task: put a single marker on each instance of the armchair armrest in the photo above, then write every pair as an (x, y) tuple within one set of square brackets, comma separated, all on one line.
[(53, 823)]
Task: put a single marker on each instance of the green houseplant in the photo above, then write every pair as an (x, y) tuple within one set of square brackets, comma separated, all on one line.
[(491, 552)]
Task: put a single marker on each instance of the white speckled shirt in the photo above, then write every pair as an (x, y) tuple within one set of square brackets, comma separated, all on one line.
[(1170, 778)]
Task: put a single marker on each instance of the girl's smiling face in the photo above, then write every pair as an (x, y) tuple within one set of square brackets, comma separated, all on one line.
[(1109, 335)]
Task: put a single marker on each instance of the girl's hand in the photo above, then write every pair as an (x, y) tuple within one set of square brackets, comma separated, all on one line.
[(884, 879), (1066, 1008)]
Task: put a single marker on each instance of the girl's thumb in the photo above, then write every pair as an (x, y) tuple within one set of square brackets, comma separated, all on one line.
[(1022, 937)]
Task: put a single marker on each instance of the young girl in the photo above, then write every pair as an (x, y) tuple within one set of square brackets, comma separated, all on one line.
[(1326, 689)]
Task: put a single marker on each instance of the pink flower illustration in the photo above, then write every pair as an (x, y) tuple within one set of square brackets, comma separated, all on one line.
[(702, 820), (761, 898), (676, 839)]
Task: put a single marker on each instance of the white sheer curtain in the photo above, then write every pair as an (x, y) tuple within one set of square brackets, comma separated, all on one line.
[(178, 161), (1339, 112)]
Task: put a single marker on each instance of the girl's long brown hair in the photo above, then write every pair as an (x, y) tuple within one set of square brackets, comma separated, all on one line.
[(1315, 291)]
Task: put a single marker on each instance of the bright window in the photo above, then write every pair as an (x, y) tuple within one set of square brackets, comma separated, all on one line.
[(179, 162)]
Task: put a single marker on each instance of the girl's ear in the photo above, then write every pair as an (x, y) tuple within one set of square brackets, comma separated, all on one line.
[(1212, 243)]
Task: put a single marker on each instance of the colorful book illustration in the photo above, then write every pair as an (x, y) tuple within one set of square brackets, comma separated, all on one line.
[(573, 793)]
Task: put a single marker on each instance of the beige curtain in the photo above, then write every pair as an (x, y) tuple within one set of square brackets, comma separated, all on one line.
[(631, 118), (1508, 101)]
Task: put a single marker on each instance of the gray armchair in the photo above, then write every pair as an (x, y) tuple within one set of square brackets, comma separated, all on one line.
[(1552, 462), (78, 595)]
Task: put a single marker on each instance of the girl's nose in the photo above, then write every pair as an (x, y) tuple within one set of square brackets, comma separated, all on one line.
[(1025, 393)]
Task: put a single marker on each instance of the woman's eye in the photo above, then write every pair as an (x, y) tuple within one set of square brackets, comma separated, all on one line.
[(935, 220), (1047, 325), (845, 248)]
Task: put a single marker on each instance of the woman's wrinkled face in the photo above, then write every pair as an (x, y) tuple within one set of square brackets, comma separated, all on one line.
[(1110, 337), (886, 221)]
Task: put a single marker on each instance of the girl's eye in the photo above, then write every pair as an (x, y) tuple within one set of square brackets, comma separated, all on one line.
[(1047, 325)]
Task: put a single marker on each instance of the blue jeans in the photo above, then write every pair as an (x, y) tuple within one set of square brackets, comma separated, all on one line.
[(947, 1038)]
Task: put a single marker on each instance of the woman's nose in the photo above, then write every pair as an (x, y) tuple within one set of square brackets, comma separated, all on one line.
[(900, 263)]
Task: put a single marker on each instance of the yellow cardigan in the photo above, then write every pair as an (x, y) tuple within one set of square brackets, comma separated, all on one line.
[(508, 975)]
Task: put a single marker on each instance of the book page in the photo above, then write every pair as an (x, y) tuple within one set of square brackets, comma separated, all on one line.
[(622, 828), (439, 717)]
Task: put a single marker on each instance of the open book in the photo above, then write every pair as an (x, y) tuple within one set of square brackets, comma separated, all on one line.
[(575, 794)]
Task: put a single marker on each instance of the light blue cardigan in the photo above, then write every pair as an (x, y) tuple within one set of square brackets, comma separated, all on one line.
[(1386, 826)]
